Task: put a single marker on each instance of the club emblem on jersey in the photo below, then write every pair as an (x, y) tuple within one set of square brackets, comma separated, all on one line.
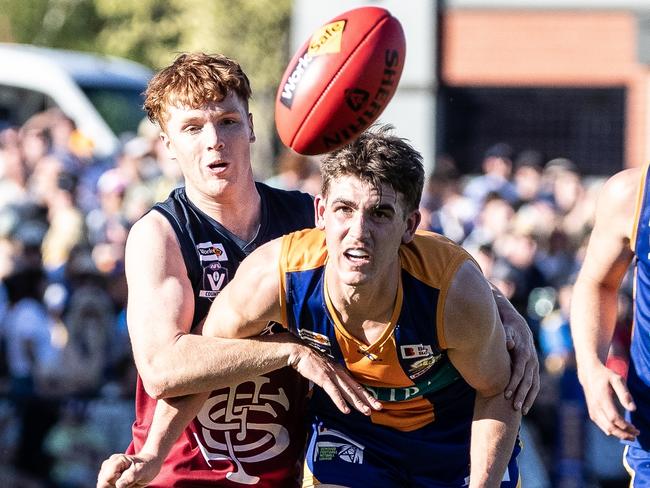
[(211, 252), (215, 277), (320, 342), (421, 366), (227, 433)]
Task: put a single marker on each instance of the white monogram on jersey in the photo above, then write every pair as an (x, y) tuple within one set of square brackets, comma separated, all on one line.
[(227, 431)]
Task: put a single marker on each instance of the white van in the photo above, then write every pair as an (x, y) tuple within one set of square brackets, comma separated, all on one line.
[(102, 94)]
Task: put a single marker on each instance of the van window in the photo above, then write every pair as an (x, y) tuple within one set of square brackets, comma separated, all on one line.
[(121, 107), (19, 104)]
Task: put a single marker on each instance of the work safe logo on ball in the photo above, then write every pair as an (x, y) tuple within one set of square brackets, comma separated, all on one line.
[(340, 80)]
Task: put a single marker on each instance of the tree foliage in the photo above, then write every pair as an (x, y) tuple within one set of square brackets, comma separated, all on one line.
[(255, 32)]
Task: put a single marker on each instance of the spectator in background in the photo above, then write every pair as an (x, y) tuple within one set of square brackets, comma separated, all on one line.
[(444, 208), (75, 447), (492, 223), (527, 177), (13, 175), (497, 170), (32, 359), (293, 170), (66, 224)]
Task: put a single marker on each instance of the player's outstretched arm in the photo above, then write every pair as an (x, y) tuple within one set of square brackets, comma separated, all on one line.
[(594, 303), (160, 313), (523, 386), (251, 301), (477, 348)]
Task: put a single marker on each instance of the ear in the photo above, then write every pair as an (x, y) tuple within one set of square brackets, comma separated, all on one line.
[(319, 209), (412, 223), (168, 145), (251, 138)]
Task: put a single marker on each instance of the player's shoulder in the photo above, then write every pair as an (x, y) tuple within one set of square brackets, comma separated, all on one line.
[(151, 231), (432, 258), (303, 249), (623, 187), (469, 306)]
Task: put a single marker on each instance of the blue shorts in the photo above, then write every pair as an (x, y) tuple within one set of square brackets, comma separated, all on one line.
[(374, 455), (637, 464)]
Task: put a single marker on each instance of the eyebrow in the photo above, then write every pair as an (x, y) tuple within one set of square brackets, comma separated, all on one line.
[(379, 206)]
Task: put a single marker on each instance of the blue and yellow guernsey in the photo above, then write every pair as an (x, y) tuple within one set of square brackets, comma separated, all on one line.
[(639, 372), (407, 368)]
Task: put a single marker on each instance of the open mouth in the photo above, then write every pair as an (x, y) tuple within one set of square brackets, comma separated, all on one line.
[(217, 166), (357, 255)]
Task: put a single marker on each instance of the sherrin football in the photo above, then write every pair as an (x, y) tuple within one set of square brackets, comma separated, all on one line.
[(340, 80)]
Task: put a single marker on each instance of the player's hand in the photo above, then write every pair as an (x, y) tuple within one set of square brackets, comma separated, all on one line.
[(523, 386), (600, 385), (334, 379), (128, 471)]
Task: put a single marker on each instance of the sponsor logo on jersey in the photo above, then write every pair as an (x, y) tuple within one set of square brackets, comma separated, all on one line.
[(211, 252), (232, 427), (344, 449), (413, 351), (387, 394)]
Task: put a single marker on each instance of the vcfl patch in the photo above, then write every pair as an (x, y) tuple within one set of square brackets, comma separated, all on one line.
[(215, 277), (211, 252)]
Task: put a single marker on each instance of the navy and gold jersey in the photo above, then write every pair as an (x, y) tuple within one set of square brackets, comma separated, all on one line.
[(407, 368), (639, 371), (421, 437)]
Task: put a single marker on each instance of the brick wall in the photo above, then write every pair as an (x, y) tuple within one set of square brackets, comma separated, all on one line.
[(544, 48)]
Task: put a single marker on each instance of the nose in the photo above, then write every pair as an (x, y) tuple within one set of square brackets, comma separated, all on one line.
[(214, 141), (359, 225)]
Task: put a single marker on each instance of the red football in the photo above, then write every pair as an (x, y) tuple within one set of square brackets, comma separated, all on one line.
[(340, 80)]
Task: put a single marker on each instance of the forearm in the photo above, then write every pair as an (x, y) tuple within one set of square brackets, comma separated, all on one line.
[(169, 420), (194, 363), (494, 430), (593, 319)]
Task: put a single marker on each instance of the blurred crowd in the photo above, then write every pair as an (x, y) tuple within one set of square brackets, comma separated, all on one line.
[(66, 371)]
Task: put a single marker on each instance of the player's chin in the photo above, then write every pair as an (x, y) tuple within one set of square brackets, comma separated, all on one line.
[(356, 277)]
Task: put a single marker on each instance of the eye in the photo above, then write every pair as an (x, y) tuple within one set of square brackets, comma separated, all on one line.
[(192, 129), (343, 209), (382, 214), (226, 121)]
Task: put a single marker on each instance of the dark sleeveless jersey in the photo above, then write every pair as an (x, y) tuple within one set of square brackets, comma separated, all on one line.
[(250, 433)]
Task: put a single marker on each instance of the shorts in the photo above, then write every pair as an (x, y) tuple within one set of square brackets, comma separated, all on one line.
[(637, 464), (374, 455)]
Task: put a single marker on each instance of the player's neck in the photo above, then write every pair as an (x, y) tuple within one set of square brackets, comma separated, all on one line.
[(364, 310), (239, 209)]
